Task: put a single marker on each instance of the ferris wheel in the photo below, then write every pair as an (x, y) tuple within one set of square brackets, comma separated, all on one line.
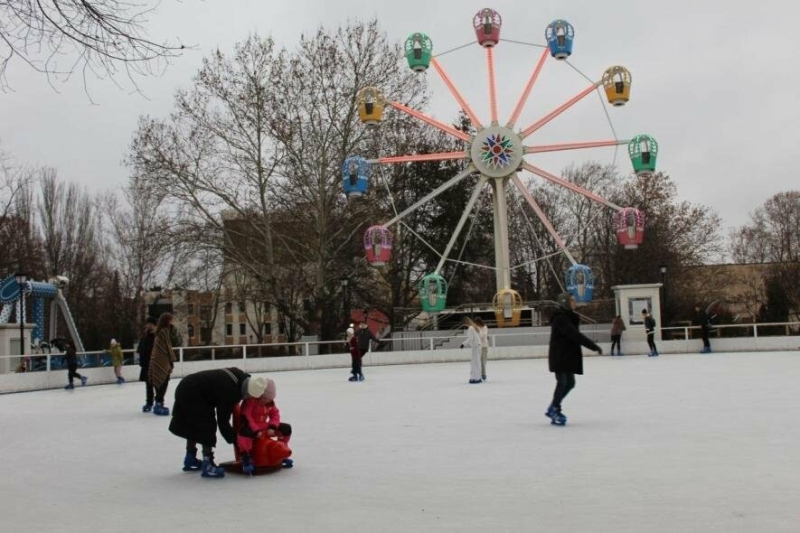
[(497, 153)]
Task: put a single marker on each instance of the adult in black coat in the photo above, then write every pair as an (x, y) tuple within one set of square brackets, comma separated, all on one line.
[(565, 358), (702, 319), (203, 401), (144, 349), (365, 337), (71, 356)]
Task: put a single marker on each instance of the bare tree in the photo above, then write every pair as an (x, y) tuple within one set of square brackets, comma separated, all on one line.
[(59, 37), (142, 244), (773, 234), (250, 158)]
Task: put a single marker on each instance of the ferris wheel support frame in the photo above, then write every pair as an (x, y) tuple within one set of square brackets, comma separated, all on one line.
[(433, 194), (464, 216), (540, 213), (501, 251), (528, 87), (569, 185)]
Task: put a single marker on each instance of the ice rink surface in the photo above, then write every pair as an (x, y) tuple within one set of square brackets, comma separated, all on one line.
[(678, 443)]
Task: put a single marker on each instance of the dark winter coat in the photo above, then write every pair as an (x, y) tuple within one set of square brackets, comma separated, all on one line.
[(71, 356), (703, 320), (565, 354), (364, 336), (204, 400), (650, 325), (144, 349)]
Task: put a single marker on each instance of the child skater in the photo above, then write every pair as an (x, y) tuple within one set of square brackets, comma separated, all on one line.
[(355, 356), (617, 327), (116, 360), (72, 361), (260, 418), (473, 340), (565, 357)]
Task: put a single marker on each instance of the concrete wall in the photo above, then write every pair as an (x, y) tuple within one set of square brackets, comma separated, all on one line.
[(105, 375)]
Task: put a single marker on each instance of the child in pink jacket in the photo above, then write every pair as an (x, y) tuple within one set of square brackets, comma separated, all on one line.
[(260, 417)]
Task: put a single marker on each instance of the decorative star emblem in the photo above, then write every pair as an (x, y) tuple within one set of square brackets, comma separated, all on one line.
[(497, 151)]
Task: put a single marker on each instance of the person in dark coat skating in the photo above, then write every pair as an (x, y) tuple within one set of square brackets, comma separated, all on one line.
[(71, 355), (144, 349), (205, 400), (565, 358), (702, 319)]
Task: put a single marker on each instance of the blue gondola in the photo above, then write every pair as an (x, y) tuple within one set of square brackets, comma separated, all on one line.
[(559, 35), (580, 283), (355, 176)]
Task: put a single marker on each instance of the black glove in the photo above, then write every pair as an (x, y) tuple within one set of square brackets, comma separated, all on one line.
[(462, 346)]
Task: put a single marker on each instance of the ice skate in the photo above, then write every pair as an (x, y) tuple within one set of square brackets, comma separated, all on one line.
[(191, 463), (247, 464), (84, 379), (361, 377), (69, 387), (287, 463), (146, 408), (210, 469), (160, 409)]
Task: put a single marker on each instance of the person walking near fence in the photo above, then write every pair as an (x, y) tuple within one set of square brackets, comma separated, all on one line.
[(564, 357), (650, 329), (145, 349), (617, 327), (473, 340), (355, 356)]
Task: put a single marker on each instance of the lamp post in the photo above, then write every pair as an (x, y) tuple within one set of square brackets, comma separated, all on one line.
[(21, 278), (663, 269), (345, 306)]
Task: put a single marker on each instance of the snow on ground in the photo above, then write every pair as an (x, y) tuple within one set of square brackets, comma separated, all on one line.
[(675, 443)]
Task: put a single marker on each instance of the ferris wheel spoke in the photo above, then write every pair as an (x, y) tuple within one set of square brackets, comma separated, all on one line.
[(433, 194), (456, 232), (492, 84), (572, 146), (432, 121), (524, 97), (569, 185), (560, 109), (540, 213), (457, 95), (439, 156)]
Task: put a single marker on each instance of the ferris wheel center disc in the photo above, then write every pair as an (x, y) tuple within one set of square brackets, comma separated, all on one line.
[(496, 151)]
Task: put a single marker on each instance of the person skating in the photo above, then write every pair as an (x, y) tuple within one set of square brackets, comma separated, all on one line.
[(71, 355), (145, 349), (483, 330), (116, 360), (473, 341), (617, 327), (355, 356), (204, 401), (162, 361), (704, 321), (565, 358), (650, 329)]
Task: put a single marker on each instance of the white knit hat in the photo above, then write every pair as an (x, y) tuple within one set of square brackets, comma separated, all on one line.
[(351, 331), (256, 386)]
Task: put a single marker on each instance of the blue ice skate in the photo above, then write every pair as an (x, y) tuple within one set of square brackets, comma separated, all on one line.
[(556, 417), (287, 463), (247, 464), (84, 379), (191, 463), (70, 387), (211, 470), (160, 409)]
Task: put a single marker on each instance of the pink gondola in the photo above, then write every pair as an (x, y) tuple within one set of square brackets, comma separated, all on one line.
[(378, 245), (629, 224)]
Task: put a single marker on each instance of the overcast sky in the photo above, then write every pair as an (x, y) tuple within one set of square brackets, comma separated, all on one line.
[(715, 82)]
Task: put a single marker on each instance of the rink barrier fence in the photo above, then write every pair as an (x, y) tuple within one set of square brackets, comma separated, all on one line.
[(50, 371)]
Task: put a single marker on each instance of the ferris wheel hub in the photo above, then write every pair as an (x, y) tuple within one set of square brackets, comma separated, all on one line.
[(496, 151)]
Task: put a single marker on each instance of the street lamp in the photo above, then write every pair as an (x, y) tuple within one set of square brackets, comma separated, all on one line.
[(21, 278), (663, 269), (345, 310)]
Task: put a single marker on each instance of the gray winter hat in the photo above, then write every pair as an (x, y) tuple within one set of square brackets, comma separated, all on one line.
[(563, 300)]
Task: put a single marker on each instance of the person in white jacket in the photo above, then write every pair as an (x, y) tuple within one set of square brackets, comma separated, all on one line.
[(473, 340), (483, 331)]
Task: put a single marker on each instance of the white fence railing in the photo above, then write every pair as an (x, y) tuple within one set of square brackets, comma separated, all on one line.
[(48, 370)]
